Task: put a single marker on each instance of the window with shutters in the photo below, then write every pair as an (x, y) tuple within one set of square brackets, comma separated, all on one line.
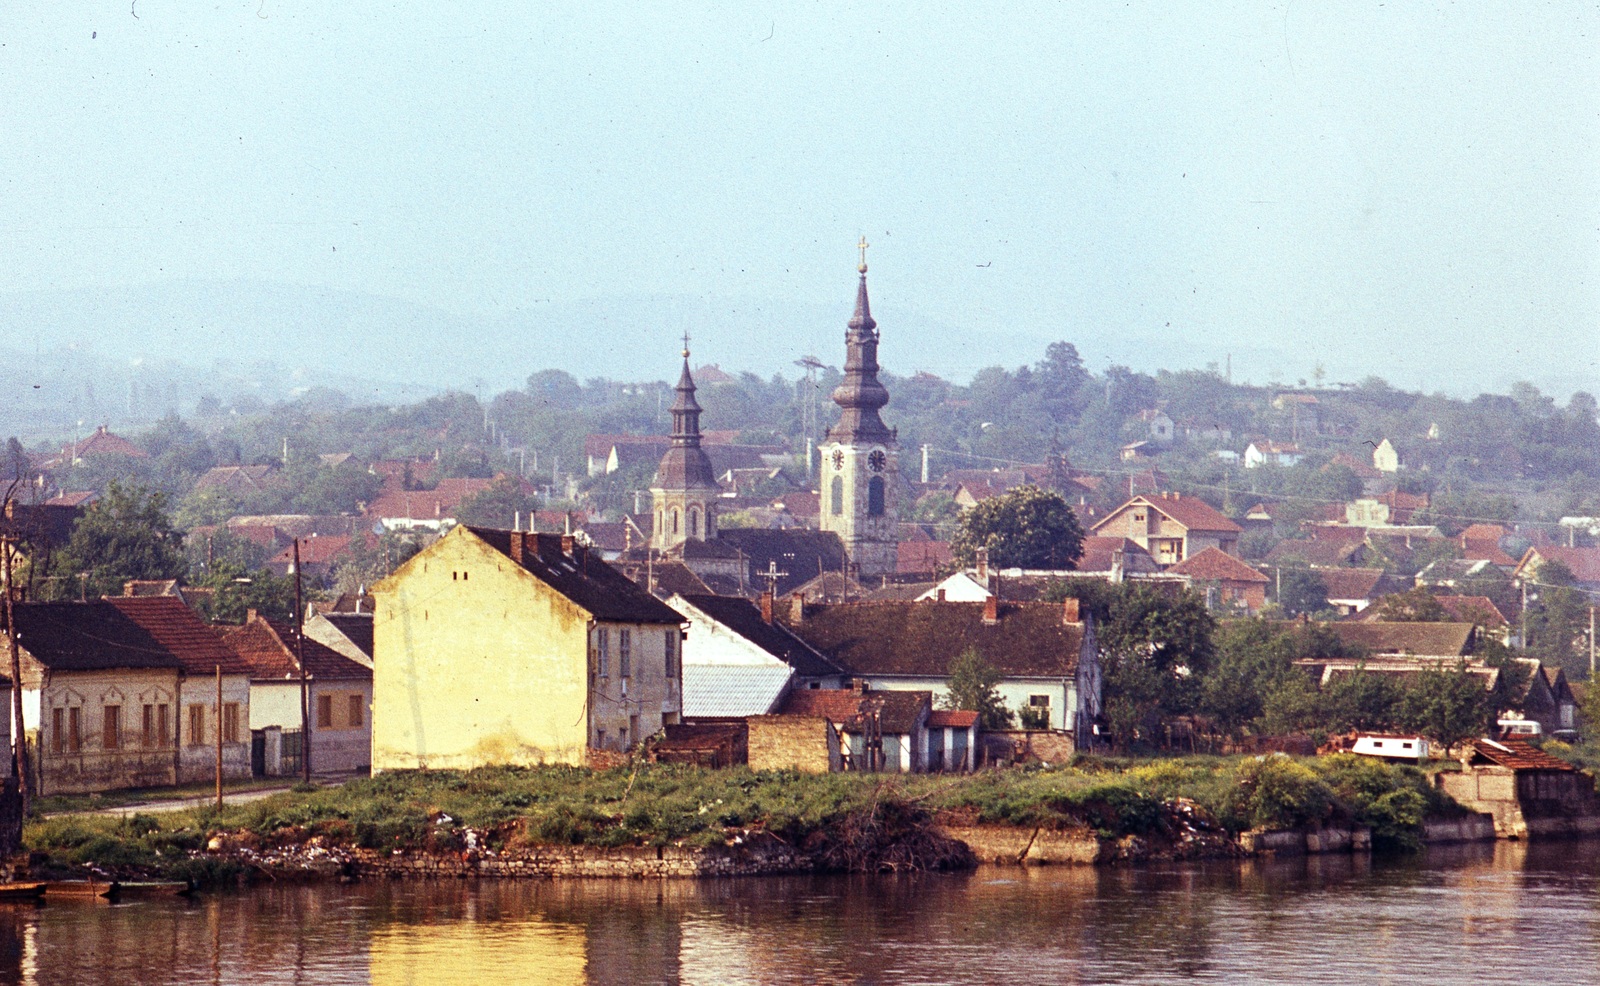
[(111, 733), (197, 725), (58, 730), (602, 651), (230, 722), (625, 652), (324, 711), (358, 711)]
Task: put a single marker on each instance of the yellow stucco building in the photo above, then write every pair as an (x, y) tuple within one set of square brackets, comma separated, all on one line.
[(503, 647)]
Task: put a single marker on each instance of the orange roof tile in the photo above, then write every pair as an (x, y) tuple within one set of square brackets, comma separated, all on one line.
[(1216, 565)]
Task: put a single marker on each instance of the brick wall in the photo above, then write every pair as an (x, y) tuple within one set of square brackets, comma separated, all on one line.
[(804, 743)]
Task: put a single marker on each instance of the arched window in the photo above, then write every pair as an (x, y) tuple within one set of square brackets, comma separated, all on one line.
[(674, 520), (838, 495), (694, 523), (875, 497)]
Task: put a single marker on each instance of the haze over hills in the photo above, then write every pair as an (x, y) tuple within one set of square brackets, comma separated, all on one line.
[(131, 353)]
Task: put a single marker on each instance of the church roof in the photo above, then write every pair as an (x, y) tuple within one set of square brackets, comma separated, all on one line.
[(861, 394), (685, 466)]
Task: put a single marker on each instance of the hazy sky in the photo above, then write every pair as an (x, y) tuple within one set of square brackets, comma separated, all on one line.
[(1394, 188)]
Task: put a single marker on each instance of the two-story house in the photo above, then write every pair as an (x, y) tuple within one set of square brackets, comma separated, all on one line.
[(505, 647), (1171, 527)]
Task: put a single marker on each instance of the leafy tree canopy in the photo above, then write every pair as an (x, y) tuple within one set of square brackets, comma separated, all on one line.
[(1412, 606), (126, 534), (1028, 527), (972, 687)]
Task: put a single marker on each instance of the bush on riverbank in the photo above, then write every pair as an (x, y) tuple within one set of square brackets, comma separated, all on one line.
[(848, 821)]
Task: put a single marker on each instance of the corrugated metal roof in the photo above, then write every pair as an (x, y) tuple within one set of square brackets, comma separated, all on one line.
[(732, 690)]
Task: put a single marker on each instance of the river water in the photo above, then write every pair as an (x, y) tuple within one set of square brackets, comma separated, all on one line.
[(1503, 913)]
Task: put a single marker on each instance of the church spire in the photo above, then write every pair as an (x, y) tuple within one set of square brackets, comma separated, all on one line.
[(685, 466), (861, 395)]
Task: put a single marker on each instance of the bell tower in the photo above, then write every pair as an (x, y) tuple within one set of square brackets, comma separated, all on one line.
[(684, 495), (860, 471)]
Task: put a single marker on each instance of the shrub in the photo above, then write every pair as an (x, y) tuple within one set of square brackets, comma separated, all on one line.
[(1279, 792)]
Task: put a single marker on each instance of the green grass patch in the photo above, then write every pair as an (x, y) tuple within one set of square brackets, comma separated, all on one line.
[(660, 804)]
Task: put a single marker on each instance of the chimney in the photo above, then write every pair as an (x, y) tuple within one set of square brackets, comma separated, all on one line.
[(517, 546), (1069, 610), (250, 616), (567, 543), (983, 567), (797, 608), (941, 595), (766, 606), (991, 610)]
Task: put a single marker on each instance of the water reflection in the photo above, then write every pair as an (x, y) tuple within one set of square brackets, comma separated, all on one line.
[(1473, 914)]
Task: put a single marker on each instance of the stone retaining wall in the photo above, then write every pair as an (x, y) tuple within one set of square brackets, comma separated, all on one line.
[(1473, 828), (1313, 839), (1010, 845), (548, 862)]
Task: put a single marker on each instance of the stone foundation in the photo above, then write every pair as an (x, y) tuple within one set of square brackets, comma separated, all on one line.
[(551, 862), (1308, 840)]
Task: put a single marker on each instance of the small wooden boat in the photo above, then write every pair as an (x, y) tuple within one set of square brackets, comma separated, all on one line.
[(79, 889), (14, 892), (139, 889)]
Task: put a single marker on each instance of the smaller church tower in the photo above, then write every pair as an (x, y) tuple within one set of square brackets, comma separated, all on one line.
[(860, 469), (685, 492)]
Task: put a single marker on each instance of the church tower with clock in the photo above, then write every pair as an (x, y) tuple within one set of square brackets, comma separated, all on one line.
[(860, 469)]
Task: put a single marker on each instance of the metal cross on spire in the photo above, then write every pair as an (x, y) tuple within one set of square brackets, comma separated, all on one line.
[(862, 246), (686, 344)]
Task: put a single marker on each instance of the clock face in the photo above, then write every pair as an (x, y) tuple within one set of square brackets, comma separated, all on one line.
[(838, 458), (877, 460)]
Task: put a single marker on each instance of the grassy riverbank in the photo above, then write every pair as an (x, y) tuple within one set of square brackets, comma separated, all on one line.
[(850, 821)]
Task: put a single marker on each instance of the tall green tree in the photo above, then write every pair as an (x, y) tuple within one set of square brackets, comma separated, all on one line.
[(1302, 592), (971, 686), (1446, 705), (126, 534), (499, 504), (1156, 650), (1412, 606), (1028, 527)]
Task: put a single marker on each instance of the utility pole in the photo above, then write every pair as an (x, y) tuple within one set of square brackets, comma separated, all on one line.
[(300, 659), (1591, 644), (219, 736), (19, 736)]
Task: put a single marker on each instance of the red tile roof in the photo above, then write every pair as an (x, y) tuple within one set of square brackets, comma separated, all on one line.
[(923, 556), (1483, 532), (267, 647), (1350, 583), (313, 551), (1584, 562), (437, 503), (1473, 609), (898, 710), (1216, 565), (1193, 513), (180, 630), (102, 442), (922, 639), (81, 498), (955, 718)]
